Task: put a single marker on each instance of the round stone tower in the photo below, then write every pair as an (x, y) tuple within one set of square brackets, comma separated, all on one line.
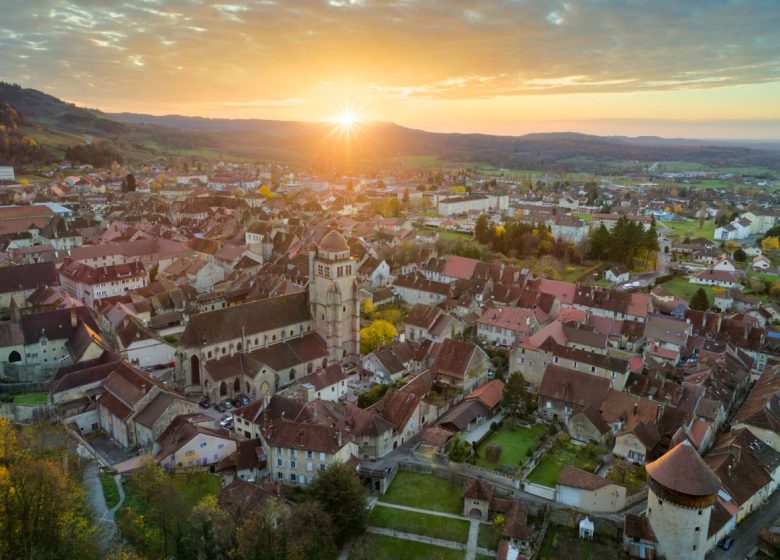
[(682, 489)]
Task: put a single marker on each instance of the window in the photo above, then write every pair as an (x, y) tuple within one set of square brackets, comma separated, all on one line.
[(322, 467), (292, 464), (293, 477), (593, 369), (322, 456), (279, 475), (279, 463), (309, 454), (555, 360), (203, 444)]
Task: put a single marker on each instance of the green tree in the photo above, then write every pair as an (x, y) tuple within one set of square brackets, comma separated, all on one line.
[(344, 499), (516, 398), (740, 255), (128, 183), (259, 536), (459, 449), (311, 533), (599, 243), (700, 301), (482, 229)]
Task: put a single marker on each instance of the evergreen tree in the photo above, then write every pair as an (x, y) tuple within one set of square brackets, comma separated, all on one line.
[(482, 229), (740, 255), (599, 243), (128, 183), (700, 301)]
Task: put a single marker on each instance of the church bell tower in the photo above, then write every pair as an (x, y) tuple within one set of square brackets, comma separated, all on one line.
[(333, 297)]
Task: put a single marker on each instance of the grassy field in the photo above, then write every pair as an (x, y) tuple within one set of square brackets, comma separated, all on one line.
[(681, 288), (390, 548), (689, 228), (435, 526), (444, 234), (424, 491), (679, 166), (488, 537), (562, 454), (110, 492), (31, 398), (515, 445)]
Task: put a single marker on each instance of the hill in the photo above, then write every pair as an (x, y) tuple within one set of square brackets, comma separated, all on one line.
[(55, 126)]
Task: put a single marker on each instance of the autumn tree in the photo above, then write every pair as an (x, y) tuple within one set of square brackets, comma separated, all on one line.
[(128, 183), (311, 532), (377, 334), (770, 243)]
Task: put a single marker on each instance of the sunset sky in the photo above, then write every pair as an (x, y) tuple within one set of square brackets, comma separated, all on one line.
[(672, 68)]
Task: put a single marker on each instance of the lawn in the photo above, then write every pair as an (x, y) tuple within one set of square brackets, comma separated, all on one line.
[(515, 445), (390, 548), (31, 398), (444, 233), (583, 456), (110, 492), (420, 523), (488, 537), (681, 288), (424, 491), (689, 228)]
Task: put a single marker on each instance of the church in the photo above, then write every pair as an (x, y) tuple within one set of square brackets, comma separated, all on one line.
[(256, 348)]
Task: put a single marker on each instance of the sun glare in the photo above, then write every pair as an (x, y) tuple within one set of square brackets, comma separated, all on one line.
[(347, 119)]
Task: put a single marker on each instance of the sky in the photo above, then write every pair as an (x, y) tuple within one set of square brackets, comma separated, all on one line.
[(674, 68)]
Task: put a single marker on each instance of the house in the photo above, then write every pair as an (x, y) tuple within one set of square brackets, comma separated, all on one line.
[(506, 326), (760, 413), (761, 262), (374, 272), (586, 491), (748, 469), (459, 366), (636, 443), (246, 463), (142, 346), (298, 450), (429, 322), (564, 390), (90, 284), (711, 277), (187, 443), (329, 384), (618, 274), (585, 425), (20, 281), (391, 361)]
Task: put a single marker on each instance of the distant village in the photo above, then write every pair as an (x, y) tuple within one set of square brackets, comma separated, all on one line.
[(583, 362)]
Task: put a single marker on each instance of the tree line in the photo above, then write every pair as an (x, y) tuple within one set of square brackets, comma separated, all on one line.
[(623, 243)]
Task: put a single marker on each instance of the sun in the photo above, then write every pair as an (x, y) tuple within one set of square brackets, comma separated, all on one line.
[(346, 119)]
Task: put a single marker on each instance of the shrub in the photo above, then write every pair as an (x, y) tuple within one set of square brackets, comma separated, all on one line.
[(493, 452)]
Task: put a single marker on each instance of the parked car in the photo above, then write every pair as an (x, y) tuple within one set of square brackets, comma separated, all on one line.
[(243, 400), (227, 421), (726, 543), (228, 404), (205, 403), (219, 407)]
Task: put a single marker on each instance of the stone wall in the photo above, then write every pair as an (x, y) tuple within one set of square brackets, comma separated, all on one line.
[(35, 373)]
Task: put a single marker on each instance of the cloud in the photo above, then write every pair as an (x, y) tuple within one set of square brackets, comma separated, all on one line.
[(266, 51)]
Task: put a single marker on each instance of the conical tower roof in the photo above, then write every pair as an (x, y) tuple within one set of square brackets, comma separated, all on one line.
[(683, 470)]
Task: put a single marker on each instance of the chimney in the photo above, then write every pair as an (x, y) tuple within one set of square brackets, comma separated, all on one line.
[(636, 408), (73, 318), (401, 337)]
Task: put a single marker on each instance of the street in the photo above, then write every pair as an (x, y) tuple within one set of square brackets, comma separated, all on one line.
[(746, 533)]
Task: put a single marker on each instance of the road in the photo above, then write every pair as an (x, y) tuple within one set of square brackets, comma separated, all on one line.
[(104, 518), (746, 533)]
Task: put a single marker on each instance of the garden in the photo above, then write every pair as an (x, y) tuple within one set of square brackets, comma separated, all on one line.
[(382, 547), (435, 526), (424, 491), (565, 453), (509, 447), (633, 477)]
